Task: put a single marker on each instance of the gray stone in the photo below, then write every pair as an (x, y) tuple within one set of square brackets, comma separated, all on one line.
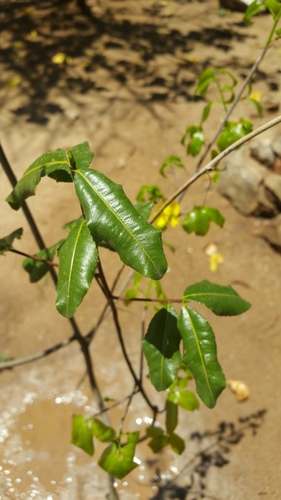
[(240, 182), (262, 151), (273, 183), (276, 146), (270, 231)]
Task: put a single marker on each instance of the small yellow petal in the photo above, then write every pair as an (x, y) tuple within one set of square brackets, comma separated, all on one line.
[(59, 58), (215, 259), (14, 82), (256, 96)]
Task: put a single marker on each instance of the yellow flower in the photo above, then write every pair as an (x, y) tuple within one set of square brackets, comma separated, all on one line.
[(169, 215), (215, 259)]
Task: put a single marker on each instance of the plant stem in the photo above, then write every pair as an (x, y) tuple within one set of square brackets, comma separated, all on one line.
[(48, 262)]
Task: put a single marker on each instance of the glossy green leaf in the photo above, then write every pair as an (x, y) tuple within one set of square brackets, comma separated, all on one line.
[(222, 300), (171, 416), (44, 165), (112, 218), (177, 443), (102, 432), (233, 132), (144, 208), (195, 144), (118, 461), (185, 399), (199, 219), (7, 242), (82, 435), (274, 7), (161, 348), (78, 260), (82, 155), (200, 355), (254, 8), (159, 438), (170, 162), (70, 225), (37, 269)]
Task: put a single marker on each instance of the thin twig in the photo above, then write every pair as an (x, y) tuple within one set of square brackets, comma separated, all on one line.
[(33, 257), (210, 166)]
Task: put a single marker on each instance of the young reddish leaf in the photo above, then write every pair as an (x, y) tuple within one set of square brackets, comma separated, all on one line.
[(82, 435)]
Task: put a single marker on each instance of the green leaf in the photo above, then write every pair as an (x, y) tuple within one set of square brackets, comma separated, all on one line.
[(70, 225), (204, 81), (185, 399), (200, 355), (231, 76), (161, 348), (171, 416), (102, 432), (274, 7), (233, 132), (252, 10), (36, 269), (159, 438), (119, 461), (82, 435), (278, 32), (206, 111), (170, 162), (222, 300), (256, 104), (195, 144), (112, 218), (150, 193), (7, 242), (199, 219), (78, 260), (82, 155), (44, 165), (177, 443), (144, 208)]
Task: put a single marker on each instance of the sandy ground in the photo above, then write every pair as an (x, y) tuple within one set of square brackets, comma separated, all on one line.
[(127, 90)]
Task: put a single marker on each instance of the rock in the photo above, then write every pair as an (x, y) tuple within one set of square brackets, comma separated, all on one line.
[(241, 182), (273, 183), (276, 146), (262, 151), (270, 231)]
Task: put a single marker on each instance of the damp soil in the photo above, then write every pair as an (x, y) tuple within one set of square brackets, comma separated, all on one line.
[(126, 86)]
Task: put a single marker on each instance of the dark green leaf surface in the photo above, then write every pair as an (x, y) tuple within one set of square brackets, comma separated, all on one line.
[(144, 208), (7, 241), (159, 438), (78, 260), (44, 165), (177, 443), (171, 416), (82, 155), (112, 218), (119, 461), (222, 300), (82, 435), (233, 132), (102, 432), (200, 355), (161, 348), (36, 269)]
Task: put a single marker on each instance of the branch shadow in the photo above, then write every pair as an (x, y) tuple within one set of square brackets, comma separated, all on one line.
[(192, 481), (141, 53)]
